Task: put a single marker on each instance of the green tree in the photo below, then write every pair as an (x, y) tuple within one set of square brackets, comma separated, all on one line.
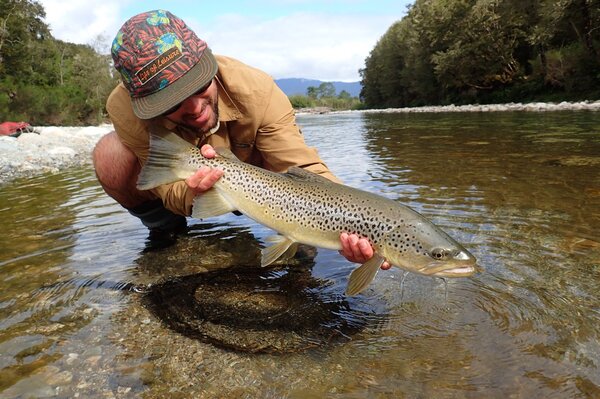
[(486, 50), (479, 52), (326, 90), (344, 95), (21, 25), (47, 81), (381, 77)]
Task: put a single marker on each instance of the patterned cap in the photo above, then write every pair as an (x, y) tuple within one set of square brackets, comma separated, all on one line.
[(162, 61)]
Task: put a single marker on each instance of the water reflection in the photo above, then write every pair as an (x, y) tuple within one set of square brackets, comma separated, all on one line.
[(526, 203), (520, 191)]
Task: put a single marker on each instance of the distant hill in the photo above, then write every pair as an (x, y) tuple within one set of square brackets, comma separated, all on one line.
[(292, 86)]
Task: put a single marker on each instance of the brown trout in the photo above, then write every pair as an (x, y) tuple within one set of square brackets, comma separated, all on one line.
[(306, 208)]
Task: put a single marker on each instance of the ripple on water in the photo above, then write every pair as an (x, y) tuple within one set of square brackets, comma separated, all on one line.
[(525, 205)]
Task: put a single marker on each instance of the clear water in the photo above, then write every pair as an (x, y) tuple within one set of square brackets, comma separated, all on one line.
[(520, 190)]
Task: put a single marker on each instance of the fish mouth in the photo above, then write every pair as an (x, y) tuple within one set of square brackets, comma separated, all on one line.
[(462, 266), (461, 271)]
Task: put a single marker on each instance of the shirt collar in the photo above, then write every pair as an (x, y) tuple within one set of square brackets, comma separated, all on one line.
[(228, 111)]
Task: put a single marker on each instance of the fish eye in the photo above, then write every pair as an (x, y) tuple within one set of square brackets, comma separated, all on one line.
[(439, 253)]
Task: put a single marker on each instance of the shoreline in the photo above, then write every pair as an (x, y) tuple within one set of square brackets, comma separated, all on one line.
[(507, 107), (55, 148), (51, 149)]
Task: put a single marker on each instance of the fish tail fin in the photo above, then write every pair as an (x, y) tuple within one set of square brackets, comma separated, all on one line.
[(167, 161)]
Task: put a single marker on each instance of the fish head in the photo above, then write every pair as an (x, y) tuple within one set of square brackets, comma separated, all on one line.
[(423, 248)]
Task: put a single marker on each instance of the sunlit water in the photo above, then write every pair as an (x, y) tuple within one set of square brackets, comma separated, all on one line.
[(520, 190)]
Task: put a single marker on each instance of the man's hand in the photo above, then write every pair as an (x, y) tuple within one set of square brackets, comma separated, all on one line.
[(205, 177), (358, 250)]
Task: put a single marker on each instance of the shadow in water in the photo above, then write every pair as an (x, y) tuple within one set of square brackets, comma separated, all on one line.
[(221, 295), (208, 284), (278, 310)]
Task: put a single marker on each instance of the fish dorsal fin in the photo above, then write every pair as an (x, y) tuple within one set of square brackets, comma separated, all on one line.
[(226, 153), (302, 174)]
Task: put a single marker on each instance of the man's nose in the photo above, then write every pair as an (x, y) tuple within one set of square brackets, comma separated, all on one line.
[(192, 103)]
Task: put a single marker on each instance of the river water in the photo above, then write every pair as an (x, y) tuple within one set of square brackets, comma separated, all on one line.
[(521, 191)]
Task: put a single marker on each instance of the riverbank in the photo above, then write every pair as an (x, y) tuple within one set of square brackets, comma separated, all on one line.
[(56, 148), (49, 150), (516, 107)]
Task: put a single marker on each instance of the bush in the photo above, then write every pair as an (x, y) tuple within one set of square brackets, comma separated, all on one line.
[(299, 101)]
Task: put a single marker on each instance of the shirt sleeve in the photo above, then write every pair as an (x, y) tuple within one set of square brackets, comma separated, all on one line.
[(280, 140), (133, 133)]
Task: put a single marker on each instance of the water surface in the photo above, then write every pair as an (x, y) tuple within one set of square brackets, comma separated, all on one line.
[(520, 190)]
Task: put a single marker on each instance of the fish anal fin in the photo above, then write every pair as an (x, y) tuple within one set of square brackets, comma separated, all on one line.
[(209, 204), (281, 246), (362, 276)]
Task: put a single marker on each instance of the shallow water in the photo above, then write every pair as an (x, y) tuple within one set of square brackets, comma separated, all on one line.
[(520, 190)]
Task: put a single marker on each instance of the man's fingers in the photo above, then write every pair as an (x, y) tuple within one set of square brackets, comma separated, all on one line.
[(208, 151), (365, 248), (212, 177), (204, 179), (358, 250)]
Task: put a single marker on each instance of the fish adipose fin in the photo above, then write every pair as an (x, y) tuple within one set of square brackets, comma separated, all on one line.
[(282, 246), (209, 204), (167, 161), (298, 173), (362, 276)]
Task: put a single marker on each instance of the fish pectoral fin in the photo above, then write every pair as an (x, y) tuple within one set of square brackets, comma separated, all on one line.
[(209, 204), (362, 276), (282, 246)]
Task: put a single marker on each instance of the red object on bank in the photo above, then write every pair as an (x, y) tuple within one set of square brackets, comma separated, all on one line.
[(14, 128)]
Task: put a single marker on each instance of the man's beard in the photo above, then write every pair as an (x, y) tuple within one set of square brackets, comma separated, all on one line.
[(212, 123)]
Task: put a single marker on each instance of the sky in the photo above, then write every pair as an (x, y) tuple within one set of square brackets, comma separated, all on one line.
[(326, 40)]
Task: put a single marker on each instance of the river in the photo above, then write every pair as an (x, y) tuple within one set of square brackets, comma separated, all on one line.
[(520, 190)]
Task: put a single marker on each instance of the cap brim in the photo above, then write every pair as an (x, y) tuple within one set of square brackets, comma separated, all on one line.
[(155, 104)]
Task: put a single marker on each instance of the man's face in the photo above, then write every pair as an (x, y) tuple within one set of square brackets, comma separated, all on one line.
[(200, 111)]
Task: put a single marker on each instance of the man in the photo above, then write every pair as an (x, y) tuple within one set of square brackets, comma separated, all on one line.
[(171, 79)]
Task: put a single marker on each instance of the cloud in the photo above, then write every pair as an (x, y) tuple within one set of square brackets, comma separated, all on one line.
[(306, 45), (316, 46), (83, 22)]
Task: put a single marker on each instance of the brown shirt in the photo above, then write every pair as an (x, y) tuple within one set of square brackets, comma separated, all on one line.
[(257, 123)]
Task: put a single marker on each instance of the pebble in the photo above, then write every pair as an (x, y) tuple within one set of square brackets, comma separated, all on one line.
[(50, 150)]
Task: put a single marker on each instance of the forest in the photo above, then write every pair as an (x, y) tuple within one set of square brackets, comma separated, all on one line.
[(45, 81), (486, 51), (440, 52)]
